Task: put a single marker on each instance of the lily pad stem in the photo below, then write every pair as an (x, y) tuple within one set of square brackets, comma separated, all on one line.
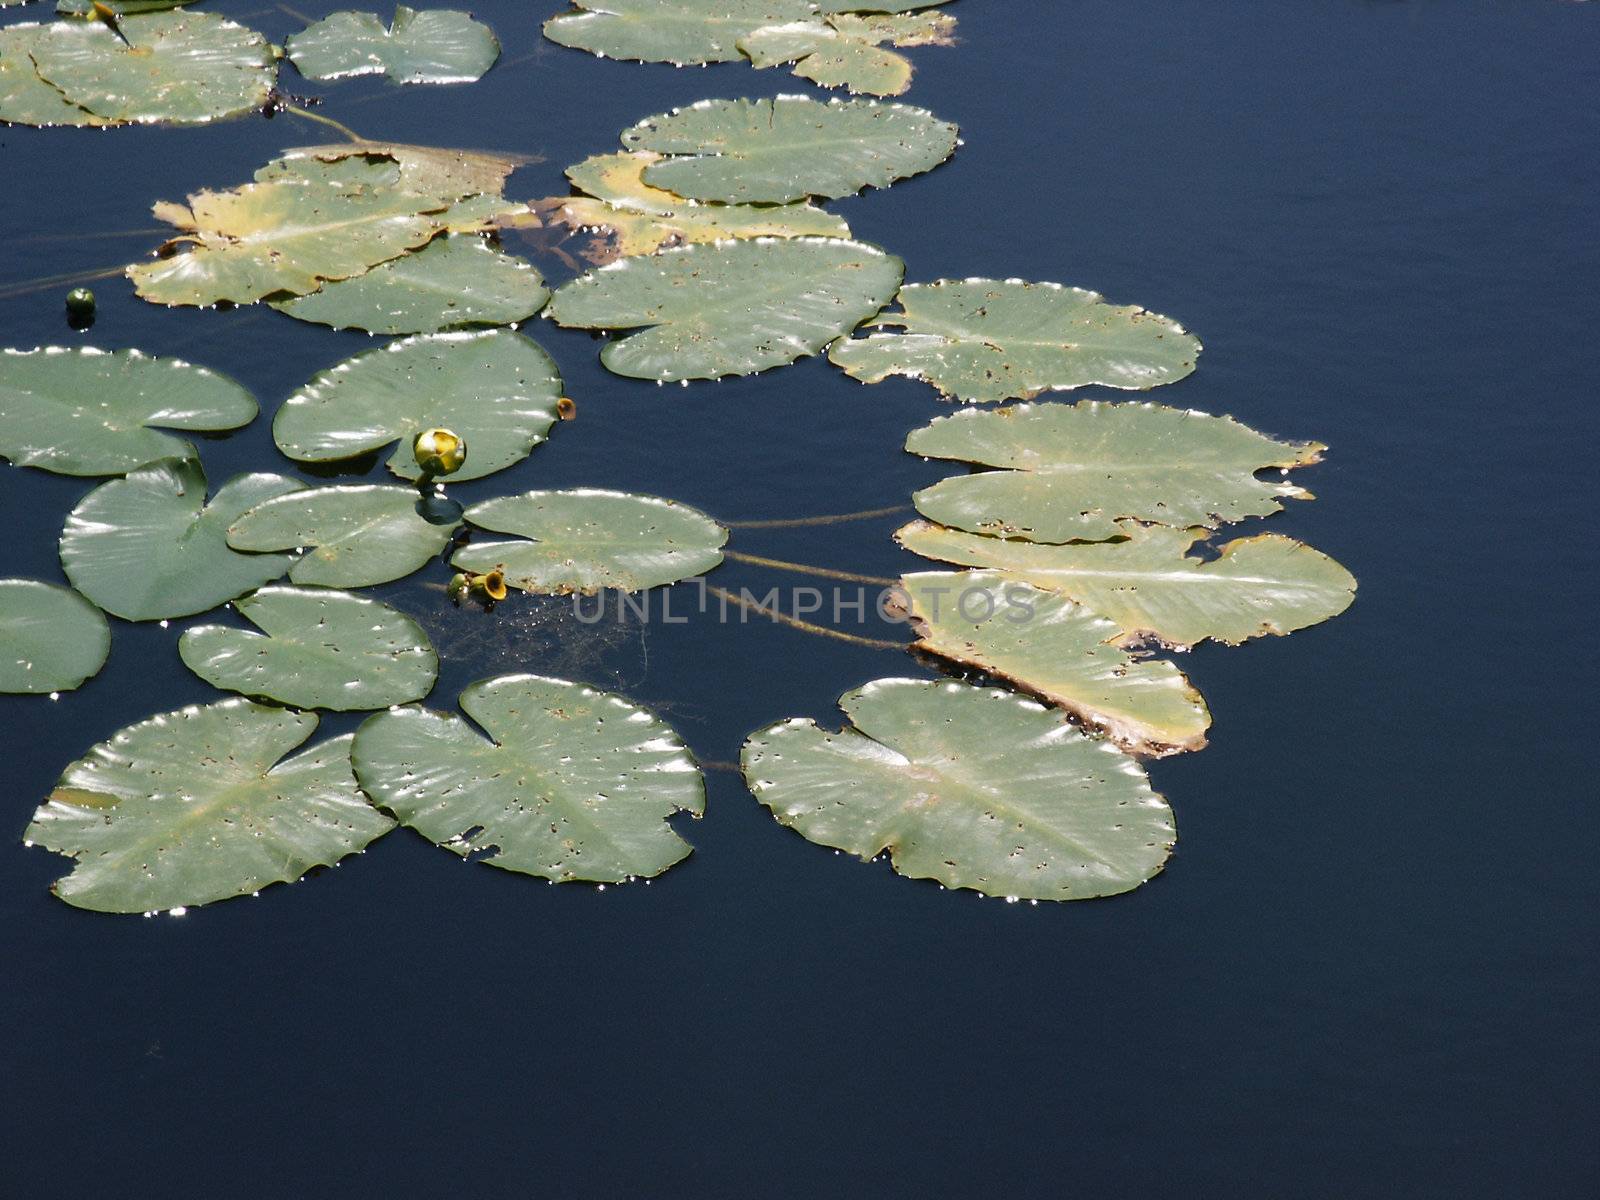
[(783, 618), (832, 519), (779, 564), (322, 120), (44, 283)]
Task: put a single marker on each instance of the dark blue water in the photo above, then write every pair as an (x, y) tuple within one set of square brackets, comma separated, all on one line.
[(1370, 968)]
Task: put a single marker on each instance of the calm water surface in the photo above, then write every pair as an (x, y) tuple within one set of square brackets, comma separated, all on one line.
[(1369, 969)]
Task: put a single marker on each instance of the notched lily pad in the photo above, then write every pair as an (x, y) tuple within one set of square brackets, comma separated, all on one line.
[(788, 148), (1000, 339), (82, 411), (319, 214), (199, 805), (587, 539), (435, 45), (352, 535), (495, 388), (180, 67), (1071, 471), (728, 308), (438, 172), (26, 99), (972, 787), (122, 8), (149, 547), (642, 219), (51, 638), (673, 31), (1151, 588), (1060, 652), (317, 648), (569, 784), (452, 281), (848, 50), (689, 31)]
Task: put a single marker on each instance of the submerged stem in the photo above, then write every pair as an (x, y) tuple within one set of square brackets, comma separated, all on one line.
[(320, 119), (147, 231), (29, 286), (779, 564), (833, 519), (783, 618)]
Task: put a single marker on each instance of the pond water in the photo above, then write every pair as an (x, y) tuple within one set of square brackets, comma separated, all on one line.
[(1369, 968)]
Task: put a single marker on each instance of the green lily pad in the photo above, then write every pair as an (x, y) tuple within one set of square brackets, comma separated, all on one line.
[(123, 8), (199, 805), (688, 31), (178, 67), (51, 638), (972, 787), (570, 784), (452, 281), (149, 547), (586, 539), (82, 411), (354, 535), (1059, 651), (1070, 471), (495, 388), (435, 45), (848, 50), (788, 148), (994, 339), (643, 219), (728, 308), (1151, 588), (317, 648), (674, 31), (25, 99)]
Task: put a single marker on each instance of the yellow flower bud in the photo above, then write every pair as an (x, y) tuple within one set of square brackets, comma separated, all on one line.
[(439, 452)]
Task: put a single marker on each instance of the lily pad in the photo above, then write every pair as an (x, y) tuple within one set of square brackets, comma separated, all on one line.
[(1072, 470), (452, 281), (728, 308), (993, 339), (149, 547), (570, 784), (848, 50), (436, 172), (355, 535), (317, 648), (200, 805), (972, 787), (436, 45), (586, 539), (1152, 589), (495, 388), (688, 31), (25, 99), (1059, 651), (643, 219), (674, 31), (122, 8), (82, 411), (177, 67), (288, 235), (789, 147), (51, 638)]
